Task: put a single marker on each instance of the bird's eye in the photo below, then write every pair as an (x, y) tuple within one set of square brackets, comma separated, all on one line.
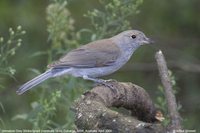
[(133, 36)]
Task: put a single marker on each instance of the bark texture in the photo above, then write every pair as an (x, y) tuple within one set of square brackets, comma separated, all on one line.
[(170, 97), (94, 110)]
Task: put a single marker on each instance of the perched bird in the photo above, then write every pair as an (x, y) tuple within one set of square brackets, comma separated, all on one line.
[(93, 60)]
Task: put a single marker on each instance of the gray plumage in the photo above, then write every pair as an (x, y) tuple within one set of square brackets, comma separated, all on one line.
[(93, 60)]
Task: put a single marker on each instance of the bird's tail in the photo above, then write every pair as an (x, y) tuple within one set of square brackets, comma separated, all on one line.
[(37, 80)]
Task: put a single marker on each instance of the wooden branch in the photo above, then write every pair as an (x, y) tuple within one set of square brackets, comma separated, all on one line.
[(171, 100), (93, 110)]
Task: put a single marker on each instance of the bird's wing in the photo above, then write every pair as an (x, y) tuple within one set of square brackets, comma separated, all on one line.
[(95, 54)]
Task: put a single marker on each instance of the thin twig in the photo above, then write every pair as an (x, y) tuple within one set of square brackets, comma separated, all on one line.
[(171, 100)]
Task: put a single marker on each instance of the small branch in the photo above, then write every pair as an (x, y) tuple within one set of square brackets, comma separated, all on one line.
[(171, 100), (93, 110)]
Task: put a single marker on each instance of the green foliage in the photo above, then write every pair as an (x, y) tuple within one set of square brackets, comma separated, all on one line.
[(43, 112), (3, 110), (113, 18), (60, 26), (8, 49)]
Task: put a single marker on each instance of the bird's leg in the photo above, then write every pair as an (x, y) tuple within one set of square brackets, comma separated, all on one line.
[(94, 79), (101, 81), (110, 80), (98, 80)]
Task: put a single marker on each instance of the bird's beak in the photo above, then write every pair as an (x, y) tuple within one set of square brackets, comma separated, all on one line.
[(147, 41)]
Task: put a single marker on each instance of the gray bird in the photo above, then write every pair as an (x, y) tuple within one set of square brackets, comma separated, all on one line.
[(93, 60)]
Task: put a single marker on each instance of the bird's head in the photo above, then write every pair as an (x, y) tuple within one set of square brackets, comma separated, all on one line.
[(133, 38)]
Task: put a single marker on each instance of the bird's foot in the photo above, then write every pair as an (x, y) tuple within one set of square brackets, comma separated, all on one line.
[(107, 83)]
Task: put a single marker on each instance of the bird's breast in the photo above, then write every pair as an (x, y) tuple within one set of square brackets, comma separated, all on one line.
[(125, 56)]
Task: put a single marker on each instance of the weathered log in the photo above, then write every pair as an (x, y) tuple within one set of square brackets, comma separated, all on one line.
[(94, 110)]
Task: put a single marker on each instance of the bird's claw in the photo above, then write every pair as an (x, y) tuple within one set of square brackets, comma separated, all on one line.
[(108, 84)]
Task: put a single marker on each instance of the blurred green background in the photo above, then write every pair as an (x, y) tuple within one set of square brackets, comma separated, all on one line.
[(174, 25)]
